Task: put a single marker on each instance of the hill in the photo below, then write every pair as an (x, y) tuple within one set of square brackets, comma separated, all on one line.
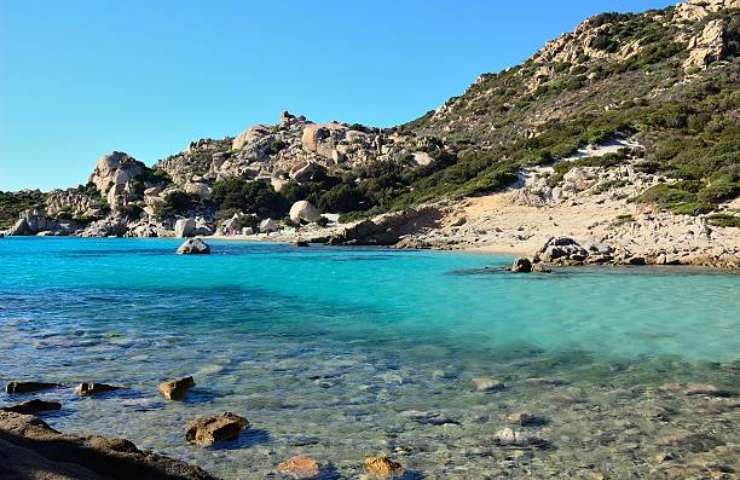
[(638, 112)]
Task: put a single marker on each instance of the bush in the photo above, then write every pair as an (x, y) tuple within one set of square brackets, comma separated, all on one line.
[(342, 199), (249, 197), (179, 202)]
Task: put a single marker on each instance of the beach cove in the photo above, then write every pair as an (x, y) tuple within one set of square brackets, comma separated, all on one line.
[(335, 354)]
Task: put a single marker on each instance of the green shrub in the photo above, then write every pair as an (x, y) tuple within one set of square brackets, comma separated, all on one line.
[(250, 197), (342, 198)]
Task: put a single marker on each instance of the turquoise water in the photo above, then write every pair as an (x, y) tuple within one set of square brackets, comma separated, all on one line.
[(324, 349)]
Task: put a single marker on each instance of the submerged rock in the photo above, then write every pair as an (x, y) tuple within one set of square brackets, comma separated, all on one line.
[(382, 467), (32, 407), (511, 438), (488, 384), (526, 419), (28, 387), (31, 449), (300, 466), (194, 246), (86, 389), (176, 389), (206, 431)]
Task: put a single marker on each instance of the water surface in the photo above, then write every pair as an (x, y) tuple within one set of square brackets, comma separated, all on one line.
[(335, 352)]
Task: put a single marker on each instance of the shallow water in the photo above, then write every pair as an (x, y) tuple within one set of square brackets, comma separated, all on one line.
[(334, 352)]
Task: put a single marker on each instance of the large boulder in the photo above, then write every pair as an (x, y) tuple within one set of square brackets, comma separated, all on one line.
[(32, 222), (303, 212), (32, 449), (114, 176), (194, 246), (707, 47), (206, 431), (198, 189), (561, 250), (321, 138), (250, 135), (185, 227)]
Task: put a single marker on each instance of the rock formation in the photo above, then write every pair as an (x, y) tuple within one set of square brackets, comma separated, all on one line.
[(194, 246), (176, 389), (206, 431), (32, 449)]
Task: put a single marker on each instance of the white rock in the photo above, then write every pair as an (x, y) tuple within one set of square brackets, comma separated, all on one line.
[(303, 212)]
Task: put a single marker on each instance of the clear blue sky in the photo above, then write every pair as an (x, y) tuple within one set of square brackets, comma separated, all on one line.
[(81, 78)]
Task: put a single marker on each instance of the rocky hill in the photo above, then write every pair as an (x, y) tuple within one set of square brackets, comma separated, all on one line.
[(635, 112)]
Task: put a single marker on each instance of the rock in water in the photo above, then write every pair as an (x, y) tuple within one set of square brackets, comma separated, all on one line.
[(511, 438), (194, 246), (300, 466), (33, 407), (32, 449), (521, 265), (86, 389), (206, 431), (382, 467), (176, 389), (303, 212), (487, 384), (28, 387)]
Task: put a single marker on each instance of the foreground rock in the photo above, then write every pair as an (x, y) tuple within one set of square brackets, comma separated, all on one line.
[(206, 431), (86, 389), (30, 449), (28, 387), (382, 467), (194, 246), (300, 466), (33, 407), (176, 389)]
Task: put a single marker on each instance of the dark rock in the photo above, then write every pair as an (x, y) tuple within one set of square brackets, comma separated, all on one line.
[(176, 389), (28, 387), (521, 265), (86, 389), (206, 431), (32, 407), (31, 449), (301, 243)]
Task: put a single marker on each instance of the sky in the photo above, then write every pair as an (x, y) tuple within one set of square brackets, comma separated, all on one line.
[(81, 78)]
